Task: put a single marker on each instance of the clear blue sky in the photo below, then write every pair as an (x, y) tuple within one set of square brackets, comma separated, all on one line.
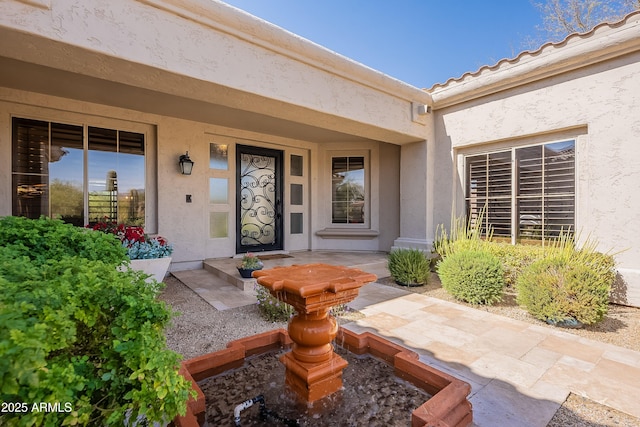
[(421, 42)]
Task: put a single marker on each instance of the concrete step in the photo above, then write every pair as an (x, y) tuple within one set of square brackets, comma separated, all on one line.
[(225, 268), (218, 292), (232, 277)]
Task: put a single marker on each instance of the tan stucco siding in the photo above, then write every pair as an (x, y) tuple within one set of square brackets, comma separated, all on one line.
[(186, 225), (599, 106), (202, 51)]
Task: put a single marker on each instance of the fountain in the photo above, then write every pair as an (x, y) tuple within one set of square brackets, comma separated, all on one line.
[(312, 369)]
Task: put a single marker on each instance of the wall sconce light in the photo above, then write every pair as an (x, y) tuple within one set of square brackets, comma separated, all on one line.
[(186, 164)]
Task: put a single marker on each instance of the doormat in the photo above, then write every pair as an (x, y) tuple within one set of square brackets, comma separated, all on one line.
[(273, 256)]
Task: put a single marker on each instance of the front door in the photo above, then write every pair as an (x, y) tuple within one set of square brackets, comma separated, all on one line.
[(258, 199)]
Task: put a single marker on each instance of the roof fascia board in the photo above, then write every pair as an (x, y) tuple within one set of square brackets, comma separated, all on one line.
[(603, 43), (242, 25)]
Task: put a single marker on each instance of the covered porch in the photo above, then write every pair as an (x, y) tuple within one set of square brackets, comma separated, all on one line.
[(208, 79)]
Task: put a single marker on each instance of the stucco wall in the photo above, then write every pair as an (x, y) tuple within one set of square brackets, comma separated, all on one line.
[(205, 51), (389, 204), (186, 224), (598, 105), (188, 69)]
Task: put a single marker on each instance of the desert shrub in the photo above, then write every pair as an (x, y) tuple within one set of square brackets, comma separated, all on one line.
[(274, 310), (409, 266), (43, 239), (271, 308), (76, 332), (476, 277), (514, 258), (462, 235), (561, 288)]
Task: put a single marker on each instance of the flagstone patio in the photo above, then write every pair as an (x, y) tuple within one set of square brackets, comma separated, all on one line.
[(520, 372)]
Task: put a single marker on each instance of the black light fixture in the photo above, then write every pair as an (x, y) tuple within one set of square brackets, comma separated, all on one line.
[(186, 164)]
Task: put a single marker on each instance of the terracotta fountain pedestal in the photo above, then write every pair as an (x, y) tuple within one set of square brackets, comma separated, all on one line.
[(313, 369)]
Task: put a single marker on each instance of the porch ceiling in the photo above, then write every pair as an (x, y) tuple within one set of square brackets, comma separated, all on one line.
[(45, 66), (40, 79)]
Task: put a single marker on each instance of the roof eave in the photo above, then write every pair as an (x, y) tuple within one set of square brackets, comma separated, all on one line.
[(604, 42), (240, 24)]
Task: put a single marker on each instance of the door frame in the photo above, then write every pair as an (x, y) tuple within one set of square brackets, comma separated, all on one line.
[(279, 202)]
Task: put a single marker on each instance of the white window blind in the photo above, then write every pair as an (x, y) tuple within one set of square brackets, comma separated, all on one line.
[(489, 192), (538, 182), (546, 190)]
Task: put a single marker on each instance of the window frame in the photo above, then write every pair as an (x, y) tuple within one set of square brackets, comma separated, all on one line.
[(366, 156), (120, 126), (222, 209), (516, 198)]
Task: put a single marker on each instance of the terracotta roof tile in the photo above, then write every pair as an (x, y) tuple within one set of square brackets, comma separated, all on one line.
[(535, 52)]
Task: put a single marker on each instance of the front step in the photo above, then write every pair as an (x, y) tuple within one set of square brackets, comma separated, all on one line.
[(229, 276), (225, 268)]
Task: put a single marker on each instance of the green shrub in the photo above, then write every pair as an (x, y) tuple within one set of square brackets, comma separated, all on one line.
[(409, 266), (462, 235), (476, 277), (77, 332), (561, 288), (274, 310), (271, 308), (43, 239), (514, 258)]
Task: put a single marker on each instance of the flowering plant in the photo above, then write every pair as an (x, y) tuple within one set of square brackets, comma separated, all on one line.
[(139, 245), (250, 262)]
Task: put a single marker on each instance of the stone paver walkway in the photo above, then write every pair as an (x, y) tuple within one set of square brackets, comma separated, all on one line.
[(520, 373)]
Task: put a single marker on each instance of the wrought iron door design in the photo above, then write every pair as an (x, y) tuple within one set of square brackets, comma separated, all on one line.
[(258, 198)]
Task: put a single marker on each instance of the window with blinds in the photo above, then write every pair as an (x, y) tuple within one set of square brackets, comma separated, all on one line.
[(55, 174), (526, 194), (489, 192)]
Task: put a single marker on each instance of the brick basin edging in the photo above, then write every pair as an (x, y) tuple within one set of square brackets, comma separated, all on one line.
[(447, 407)]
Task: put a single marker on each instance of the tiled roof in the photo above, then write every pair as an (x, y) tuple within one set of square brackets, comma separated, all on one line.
[(529, 53)]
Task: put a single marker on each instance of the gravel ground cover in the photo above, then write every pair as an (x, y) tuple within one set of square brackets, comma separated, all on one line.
[(200, 329)]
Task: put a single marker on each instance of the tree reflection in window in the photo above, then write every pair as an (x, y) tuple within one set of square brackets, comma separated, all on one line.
[(347, 190), (48, 172)]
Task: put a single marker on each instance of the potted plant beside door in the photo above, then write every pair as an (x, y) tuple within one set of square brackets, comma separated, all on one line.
[(249, 264), (149, 254)]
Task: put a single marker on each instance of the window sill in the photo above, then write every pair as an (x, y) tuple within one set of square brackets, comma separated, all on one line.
[(347, 233)]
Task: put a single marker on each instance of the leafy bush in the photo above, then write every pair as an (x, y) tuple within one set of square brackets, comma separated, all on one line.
[(44, 239), (77, 332), (514, 258), (476, 277), (562, 288), (250, 262), (462, 235), (151, 248), (409, 266)]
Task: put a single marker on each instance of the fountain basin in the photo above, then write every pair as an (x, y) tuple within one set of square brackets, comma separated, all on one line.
[(448, 405)]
